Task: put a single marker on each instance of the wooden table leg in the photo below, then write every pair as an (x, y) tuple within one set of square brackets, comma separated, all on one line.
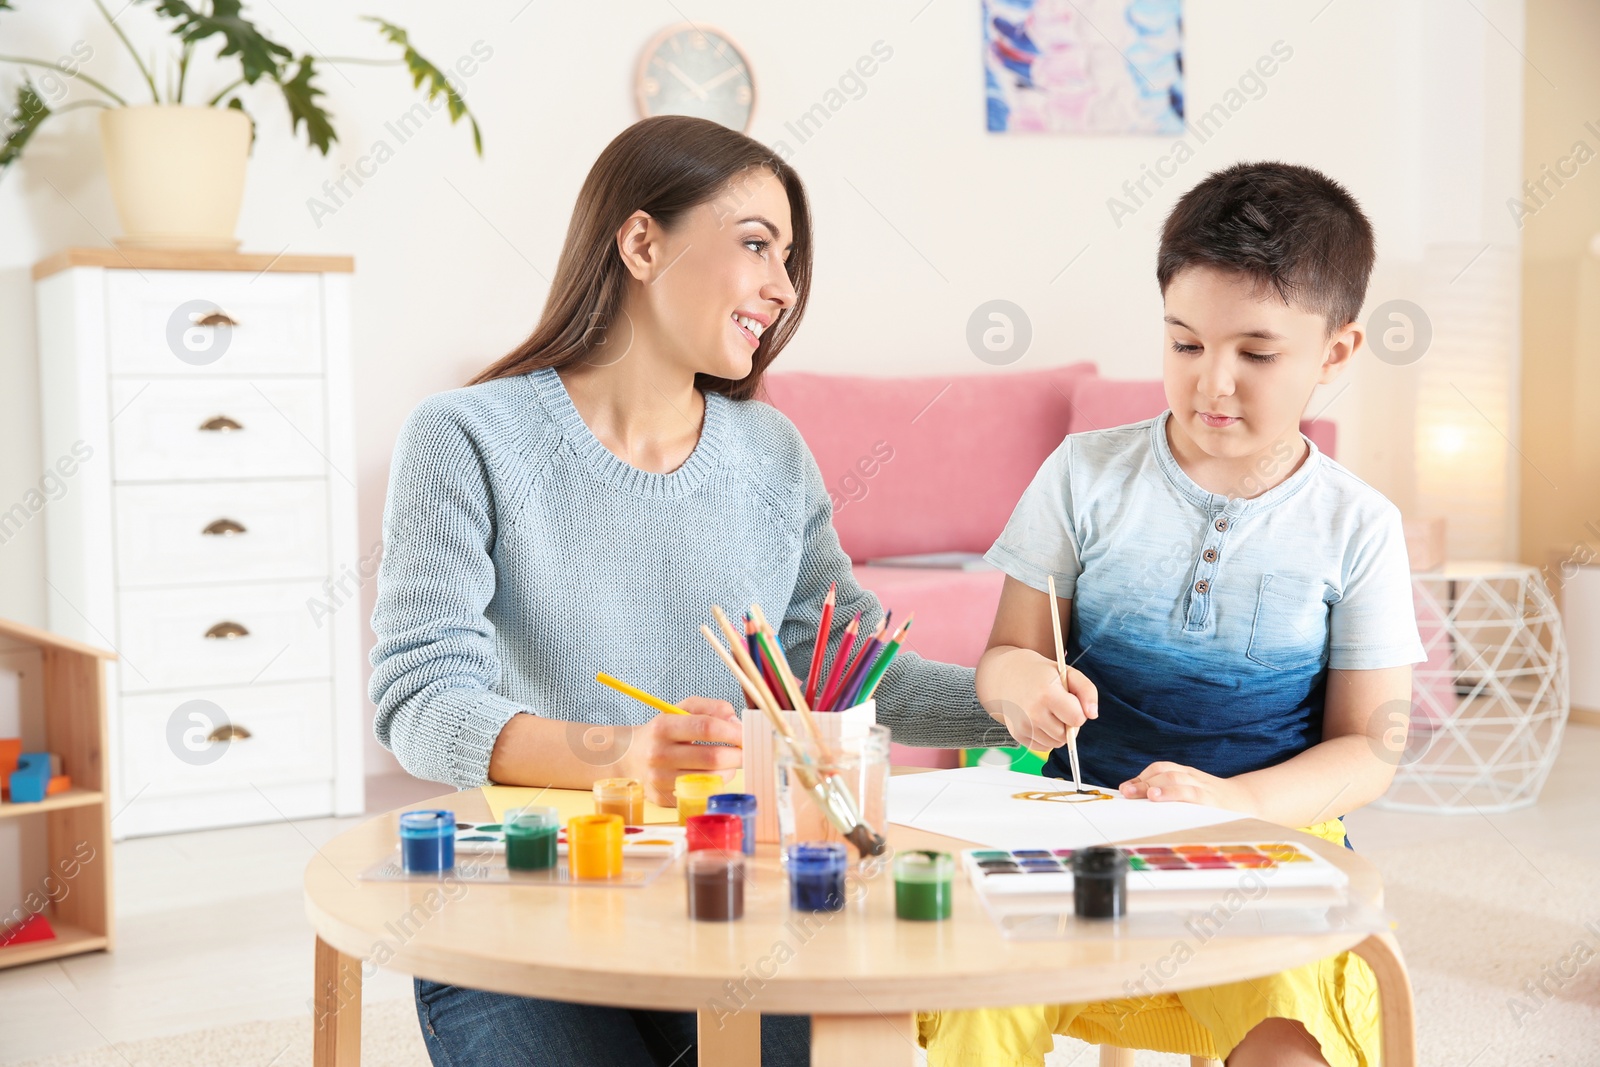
[(849, 1040), (729, 1039), (1395, 1004), (336, 1025)]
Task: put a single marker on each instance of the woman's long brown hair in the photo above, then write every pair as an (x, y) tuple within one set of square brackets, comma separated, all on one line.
[(662, 166)]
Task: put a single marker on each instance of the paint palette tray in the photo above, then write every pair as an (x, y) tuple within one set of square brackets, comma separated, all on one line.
[(487, 868), (1158, 867), (666, 841)]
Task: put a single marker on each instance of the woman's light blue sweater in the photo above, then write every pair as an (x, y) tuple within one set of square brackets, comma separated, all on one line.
[(521, 557)]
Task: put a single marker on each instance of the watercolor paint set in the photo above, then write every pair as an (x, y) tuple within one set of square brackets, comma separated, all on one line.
[(1181, 890), (665, 842), (1158, 867)]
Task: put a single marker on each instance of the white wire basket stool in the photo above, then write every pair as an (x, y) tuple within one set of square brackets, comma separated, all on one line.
[(1490, 704)]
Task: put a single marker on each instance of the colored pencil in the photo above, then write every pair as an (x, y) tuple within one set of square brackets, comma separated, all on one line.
[(821, 648), (639, 694), (785, 688), (751, 692), (840, 658), (875, 673), (770, 701), (741, 653), (768, 671), (845, 698), (876, 652), (854, 674), (781, 665), (1061, 666)]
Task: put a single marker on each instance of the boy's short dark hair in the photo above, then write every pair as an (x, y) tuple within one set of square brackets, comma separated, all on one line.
[(1285, 226)]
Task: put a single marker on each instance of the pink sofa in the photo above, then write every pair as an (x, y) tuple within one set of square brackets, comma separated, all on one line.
[(937, 464)]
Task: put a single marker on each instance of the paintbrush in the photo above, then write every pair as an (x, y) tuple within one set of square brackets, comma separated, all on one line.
[(1061, 666)]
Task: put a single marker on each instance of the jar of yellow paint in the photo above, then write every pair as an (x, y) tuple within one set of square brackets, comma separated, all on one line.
[(692, 791), (594, 846)]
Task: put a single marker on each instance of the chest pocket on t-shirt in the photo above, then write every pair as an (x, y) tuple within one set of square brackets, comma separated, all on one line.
[(1291, 624)]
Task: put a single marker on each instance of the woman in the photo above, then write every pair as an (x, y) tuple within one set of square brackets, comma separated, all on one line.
[(581, 505)]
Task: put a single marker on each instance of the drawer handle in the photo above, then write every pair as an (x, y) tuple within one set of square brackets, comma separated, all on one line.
[(213, 318), (223, 528), (220, 424), (226, 631), (229, 731)]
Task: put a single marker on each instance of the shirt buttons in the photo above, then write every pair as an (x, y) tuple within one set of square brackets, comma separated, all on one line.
[(1221, 524), (1209, 555), (1202, 586)]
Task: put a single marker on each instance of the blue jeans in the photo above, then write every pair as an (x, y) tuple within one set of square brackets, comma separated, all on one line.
[(472, 1028)]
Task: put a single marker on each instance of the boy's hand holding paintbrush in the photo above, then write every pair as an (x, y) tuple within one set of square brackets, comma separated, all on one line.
[(1023, 691), (1024, 681)]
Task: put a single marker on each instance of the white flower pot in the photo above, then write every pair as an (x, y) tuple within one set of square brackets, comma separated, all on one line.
[(176, 173)]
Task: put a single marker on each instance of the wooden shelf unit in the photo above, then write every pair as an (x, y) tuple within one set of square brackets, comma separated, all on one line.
[(72, 798), (77, 821), (69, 940)]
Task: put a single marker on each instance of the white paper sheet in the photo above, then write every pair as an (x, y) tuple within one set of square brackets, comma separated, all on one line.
[(976, 804)]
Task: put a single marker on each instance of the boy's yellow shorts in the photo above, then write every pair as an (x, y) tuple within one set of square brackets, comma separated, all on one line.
[(1336, 999)]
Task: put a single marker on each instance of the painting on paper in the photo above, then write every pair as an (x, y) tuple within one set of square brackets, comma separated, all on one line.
[(1084, 66)]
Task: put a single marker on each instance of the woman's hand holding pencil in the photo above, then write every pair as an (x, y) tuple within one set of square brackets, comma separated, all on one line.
[(675, 741), (670, 745)]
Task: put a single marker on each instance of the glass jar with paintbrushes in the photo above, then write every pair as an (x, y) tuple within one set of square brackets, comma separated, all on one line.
[(798, 734), (860, 764), (756, 660), (844, 690)]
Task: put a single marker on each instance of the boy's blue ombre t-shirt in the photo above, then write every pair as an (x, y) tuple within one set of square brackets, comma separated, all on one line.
[(1208, 623)]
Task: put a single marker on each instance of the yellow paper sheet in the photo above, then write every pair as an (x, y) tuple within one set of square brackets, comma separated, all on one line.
[(570, 802)]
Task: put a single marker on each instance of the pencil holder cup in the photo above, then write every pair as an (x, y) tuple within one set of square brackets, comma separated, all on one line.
[(859, 763), (760, 758)]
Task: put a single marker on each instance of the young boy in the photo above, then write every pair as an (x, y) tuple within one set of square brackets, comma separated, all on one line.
[(1237, 606)]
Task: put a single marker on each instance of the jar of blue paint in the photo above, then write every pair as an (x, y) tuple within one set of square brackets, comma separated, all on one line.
[(816, 875), (427, 841), (742, 805)]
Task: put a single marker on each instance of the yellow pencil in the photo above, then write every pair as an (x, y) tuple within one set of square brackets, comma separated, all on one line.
[(639, 694)]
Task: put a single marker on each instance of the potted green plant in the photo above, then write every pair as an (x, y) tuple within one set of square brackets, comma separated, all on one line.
[(176, 167)]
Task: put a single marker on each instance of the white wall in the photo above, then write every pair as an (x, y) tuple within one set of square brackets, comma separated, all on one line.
[(921, 215)]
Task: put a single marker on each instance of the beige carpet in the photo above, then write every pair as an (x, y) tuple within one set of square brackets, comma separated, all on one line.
[(1477, 922), (389, 1038)]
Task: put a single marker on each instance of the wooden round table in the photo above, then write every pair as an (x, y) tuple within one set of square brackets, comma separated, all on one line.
[(861, 974)]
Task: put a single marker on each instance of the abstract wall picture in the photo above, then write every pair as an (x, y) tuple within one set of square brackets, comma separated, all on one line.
[(1084, 66)]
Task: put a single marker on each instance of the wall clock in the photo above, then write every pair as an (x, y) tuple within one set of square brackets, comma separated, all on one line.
[(695, 70)]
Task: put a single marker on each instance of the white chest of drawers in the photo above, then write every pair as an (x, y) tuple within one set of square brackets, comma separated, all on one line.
[(200, 519)]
